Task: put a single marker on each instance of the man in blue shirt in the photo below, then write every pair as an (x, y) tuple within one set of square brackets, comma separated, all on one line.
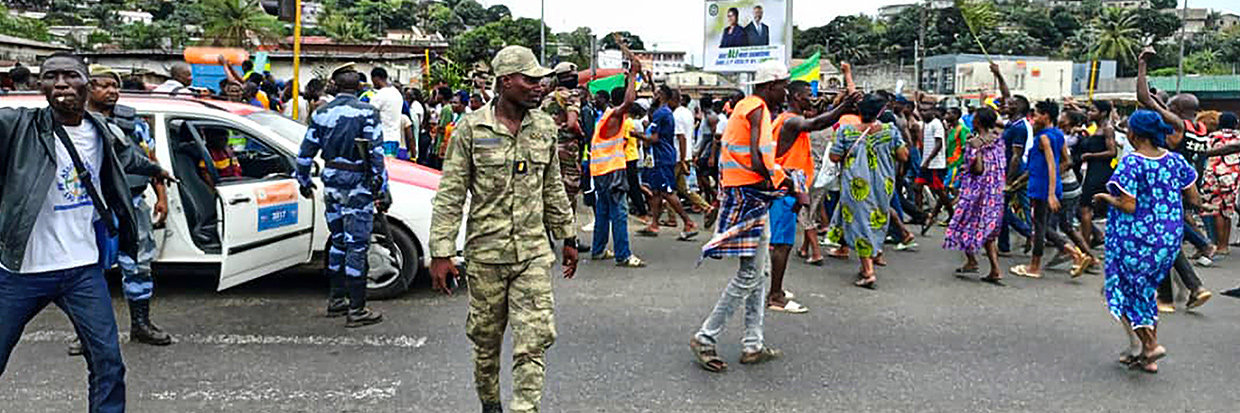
[(662, 180), (1015, 136)]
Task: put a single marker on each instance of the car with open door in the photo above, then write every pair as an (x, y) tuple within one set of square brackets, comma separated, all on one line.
[(253, 222)]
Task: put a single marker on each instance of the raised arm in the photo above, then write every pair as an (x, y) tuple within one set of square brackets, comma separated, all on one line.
[(1003, 87), (614, 123), (848, 78), (229, 71), (1148, 101), (796, 125)]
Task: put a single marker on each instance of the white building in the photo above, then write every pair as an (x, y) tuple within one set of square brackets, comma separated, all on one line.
[(1035, 79), (660, 63)]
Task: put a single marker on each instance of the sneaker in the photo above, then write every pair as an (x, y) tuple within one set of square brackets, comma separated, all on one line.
[(337, 307), (1166, 307), (1205, 262), (607, 254), (911, 245), (362, 317)]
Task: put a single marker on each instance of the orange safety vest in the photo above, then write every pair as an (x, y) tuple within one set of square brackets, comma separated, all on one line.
[(607, 153), (798, 156), (735, 164)]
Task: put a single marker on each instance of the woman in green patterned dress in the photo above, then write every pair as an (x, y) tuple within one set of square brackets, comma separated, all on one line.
[(867, 154)]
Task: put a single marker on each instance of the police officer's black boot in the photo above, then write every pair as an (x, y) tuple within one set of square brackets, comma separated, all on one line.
[(338, 300), (492, 408), (140, 327), (359, 315)]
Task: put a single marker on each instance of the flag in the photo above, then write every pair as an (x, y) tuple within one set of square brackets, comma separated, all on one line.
[(809, 71), (606, 84)]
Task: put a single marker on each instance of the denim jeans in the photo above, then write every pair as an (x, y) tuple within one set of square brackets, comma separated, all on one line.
[(82, 293), (136, 271), (748, 287), (1010, 220), (611, 217)]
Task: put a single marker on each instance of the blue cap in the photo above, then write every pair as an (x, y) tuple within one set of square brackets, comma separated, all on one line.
[(1146, 122)]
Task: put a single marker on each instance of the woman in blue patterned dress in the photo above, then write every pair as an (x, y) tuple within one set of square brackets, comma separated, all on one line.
[(1145, 228), (865, 154)]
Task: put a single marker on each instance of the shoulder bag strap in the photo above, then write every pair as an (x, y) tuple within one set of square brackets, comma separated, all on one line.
[(85, 177)]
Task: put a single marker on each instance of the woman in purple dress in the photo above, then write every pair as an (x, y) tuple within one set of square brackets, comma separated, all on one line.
[(979, 211), (1145, 227)]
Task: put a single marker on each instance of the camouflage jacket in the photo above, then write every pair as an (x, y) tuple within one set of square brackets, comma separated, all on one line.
[(515, 191)]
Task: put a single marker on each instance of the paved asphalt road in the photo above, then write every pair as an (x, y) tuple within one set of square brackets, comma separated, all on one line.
[(924, 341)]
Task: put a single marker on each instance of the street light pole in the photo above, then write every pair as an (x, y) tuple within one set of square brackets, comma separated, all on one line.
[(1179, 72), (542, 31)]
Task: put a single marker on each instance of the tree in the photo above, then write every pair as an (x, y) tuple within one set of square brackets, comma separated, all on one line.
[(472, 13), (22, 27), (481, 43), (236, 23), (344, 29), (442, 19), (141, 36), (498, 12), (634, 41), (580, 40), (1156, 25), (1118, 37), (1163, 4)]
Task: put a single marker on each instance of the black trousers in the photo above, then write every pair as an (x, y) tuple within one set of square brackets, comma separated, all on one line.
[(1041, 232), (636, 197), (1187, 275)]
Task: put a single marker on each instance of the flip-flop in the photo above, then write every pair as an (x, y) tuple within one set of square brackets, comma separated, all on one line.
[(1079, 269), (834, 254), (790, 307), (687, 236), (1023, 271), (817, 263), (648, 233), (966, 270), (868, 283), (993, 280)]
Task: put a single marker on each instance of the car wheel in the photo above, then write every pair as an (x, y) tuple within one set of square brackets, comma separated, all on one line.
[(393, 266)]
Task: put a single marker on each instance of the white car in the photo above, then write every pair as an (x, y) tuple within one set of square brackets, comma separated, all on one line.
[(260, 224)]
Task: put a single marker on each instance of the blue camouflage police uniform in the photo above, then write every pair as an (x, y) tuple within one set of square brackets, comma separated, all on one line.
[(136, 271), (348, 195)]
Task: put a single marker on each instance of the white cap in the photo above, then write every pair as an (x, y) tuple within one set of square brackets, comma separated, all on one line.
[(770, 71)]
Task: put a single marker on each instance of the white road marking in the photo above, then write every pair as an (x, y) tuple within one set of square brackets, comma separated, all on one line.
[(254, 339), (205, 391)]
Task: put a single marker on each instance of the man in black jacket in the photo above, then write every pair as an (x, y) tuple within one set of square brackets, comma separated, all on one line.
[(58, 218)]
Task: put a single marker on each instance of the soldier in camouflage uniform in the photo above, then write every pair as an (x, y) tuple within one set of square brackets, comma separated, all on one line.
[(352, 181), (564, 105), (503, 157)]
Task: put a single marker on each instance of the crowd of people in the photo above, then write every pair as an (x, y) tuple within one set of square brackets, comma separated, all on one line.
[(849, 173)]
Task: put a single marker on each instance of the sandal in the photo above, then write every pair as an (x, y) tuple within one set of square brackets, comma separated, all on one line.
[(837, 254), (993, 280), (687, 236), (1023, 271), (707, 357), (632, 262), (815, 262), (790, 307), (1079, 269), (1148, 363), (966, 270), (1127, 359), (865, 282), (761, 356), (647, 232), (607, 254)]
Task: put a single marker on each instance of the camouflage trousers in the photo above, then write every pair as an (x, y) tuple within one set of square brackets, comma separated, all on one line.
[(520, 292), (350, 219)]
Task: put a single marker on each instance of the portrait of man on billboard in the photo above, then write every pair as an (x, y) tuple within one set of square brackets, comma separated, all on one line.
[(757, 33)]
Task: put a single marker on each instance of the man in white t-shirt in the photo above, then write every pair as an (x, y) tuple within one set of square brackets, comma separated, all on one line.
[(417, 113), (49, 252), (933, 165), (389, 101), (682, 117)]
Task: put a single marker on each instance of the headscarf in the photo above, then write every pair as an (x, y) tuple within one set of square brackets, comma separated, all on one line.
[(1150, 124)]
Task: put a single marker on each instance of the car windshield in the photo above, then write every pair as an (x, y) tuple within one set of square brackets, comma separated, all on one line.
[(286, 128)]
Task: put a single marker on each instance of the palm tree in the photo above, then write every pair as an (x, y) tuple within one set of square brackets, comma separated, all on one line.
[(238, 23), (1117, 35), (344, 30)]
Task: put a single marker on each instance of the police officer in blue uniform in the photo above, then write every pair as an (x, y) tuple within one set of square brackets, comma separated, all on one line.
[(352, 180)]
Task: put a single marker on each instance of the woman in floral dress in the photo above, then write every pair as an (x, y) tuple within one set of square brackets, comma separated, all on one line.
[(866, 154), (979, 210), (1222, 180), (1145, 227)]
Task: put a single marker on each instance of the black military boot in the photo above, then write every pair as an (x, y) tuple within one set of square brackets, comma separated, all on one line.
[(359, 315), (338, 298), (140, 327), (492, 408)]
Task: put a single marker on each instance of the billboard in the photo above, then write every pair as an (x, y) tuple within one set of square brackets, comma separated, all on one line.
[(740, 34)]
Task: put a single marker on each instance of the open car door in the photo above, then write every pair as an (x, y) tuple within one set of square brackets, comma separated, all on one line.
[(265, 224)]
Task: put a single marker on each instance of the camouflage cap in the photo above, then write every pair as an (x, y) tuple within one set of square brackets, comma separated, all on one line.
[(98, 70), (565, 67), (518, 59)]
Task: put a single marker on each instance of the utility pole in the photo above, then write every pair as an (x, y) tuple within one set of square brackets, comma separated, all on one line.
[(593, 57), (542, 31), (1179, 72), (921, 42)]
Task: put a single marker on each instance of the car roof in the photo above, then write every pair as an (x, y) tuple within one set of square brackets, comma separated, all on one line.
[(149, 101)]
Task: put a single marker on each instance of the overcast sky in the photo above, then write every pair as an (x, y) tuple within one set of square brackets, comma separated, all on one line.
[(677, 24)]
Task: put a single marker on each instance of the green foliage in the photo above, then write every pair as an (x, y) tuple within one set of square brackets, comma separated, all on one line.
[(1163, 4), (1156, 25), (498, 12), (449, 73), (344, 29), (22, 27), (1118, 36), (159, 35), (237, 23), (634, 41), (580, 41), (480, 44), (472, 13)]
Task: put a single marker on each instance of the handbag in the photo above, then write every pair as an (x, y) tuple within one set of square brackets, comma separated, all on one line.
[(106, 227), (828, 175)]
